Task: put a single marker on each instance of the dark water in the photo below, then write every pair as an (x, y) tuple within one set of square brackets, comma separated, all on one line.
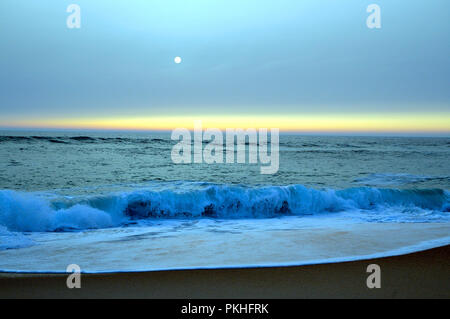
[(32, 161)]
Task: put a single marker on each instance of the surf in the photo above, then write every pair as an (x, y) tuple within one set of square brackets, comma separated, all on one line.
[(32, 212)]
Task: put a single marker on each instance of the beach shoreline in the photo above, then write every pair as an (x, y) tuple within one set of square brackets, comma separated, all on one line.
[(424, 274)]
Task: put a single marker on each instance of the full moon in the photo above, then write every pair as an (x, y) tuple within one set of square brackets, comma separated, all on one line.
[(177, 60)]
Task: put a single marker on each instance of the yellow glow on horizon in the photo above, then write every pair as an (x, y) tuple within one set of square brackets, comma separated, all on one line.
[(300, 123)]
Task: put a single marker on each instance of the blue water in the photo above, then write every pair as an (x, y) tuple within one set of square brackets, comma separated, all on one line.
[(60, 183)]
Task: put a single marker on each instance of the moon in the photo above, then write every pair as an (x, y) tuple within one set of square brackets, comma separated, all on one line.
[(177, 60)]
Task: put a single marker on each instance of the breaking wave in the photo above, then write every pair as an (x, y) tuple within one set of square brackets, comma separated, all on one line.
[(28, 212)]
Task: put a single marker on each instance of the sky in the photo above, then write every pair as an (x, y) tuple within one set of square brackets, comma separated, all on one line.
[(310, 65)]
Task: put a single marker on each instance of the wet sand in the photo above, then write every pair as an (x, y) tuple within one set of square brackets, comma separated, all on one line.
[(423, 274)]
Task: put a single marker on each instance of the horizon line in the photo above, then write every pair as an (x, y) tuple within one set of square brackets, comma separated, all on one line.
[(335, 124), (442, 134)]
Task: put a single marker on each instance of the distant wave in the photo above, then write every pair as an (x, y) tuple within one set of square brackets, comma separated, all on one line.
[(90, 140), (396, 179), (30, 212), (80, 139)]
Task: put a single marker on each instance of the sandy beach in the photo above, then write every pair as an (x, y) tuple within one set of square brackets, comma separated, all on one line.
[(423, 274)]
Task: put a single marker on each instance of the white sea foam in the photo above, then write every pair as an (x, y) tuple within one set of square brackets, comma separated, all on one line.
[(25, 212), (13, 240)]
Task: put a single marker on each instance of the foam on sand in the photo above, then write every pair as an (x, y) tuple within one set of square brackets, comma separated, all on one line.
[(209, 244)]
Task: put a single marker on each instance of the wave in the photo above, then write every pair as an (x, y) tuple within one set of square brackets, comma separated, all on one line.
[(396, 179), (91, 140), (29, 212), (80, 139)]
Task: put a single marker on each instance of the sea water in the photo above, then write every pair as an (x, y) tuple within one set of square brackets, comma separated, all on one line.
[(116, 201)]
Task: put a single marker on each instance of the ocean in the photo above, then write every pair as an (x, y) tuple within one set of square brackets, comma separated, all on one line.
[(115, 201)]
